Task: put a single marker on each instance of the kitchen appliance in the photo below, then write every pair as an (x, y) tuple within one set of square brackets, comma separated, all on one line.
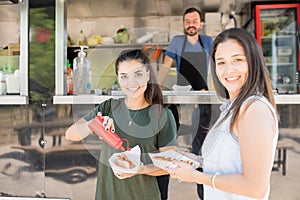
[(277, 31)]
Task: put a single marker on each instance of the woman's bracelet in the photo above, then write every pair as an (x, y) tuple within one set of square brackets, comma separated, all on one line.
[(213, 180)]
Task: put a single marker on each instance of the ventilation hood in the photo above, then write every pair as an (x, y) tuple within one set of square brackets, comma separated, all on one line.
[(140, 8), (7, 2)]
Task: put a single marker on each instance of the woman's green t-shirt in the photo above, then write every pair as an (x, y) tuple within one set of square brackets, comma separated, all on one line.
[(145, 127)]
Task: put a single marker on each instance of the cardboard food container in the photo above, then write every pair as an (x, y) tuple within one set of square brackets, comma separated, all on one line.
[(179, 88), (134, 155), (164, 159)]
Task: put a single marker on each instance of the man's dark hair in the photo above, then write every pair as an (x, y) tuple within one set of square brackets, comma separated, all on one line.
[(192, 9)]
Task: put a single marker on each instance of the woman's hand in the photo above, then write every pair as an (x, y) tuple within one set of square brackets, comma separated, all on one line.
[(124, 175), (129, 175), (108, 123), (182, 172)]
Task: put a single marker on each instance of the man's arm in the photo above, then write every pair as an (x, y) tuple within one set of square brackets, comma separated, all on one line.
[(164, 69)]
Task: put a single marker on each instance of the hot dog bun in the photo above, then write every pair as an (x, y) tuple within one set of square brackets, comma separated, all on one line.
[(122, 163)]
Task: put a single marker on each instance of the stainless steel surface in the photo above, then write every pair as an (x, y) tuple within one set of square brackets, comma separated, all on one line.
[(60, 45), (192, 97), (24, 10), (29, 168), (18, 13), (169, 97), (122, 46), (68, 170), (13, 100)]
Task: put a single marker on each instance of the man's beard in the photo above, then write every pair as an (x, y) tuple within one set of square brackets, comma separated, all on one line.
[(191, 34)]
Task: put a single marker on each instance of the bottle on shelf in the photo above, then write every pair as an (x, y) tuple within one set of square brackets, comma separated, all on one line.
[(70, 79), (3, 86), (13, 81), (115, 86), (82, 38), (120, 32), (5, 69), (122, 35), (125, 37), (3, 79), (82, 73)]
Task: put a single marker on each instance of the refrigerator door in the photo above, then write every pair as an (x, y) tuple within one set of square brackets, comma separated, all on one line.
[(276, 31)]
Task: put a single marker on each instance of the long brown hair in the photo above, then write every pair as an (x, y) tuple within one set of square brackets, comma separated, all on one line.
[(153, 94), (258, 81)]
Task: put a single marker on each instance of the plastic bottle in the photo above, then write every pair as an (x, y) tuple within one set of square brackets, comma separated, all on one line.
[(125, 37), (82, 38), (120, 33), (115, 86), (3, 86), (3, 76), (82, 73), (65, 79), (113, 139), (70, 79), (12, 81), (5, 69), (12, 69)]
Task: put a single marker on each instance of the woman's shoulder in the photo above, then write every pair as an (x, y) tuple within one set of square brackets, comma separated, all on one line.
[(109, 104), (257, 113), (167, 115), (257, 100), (113, 101), (258, 105)]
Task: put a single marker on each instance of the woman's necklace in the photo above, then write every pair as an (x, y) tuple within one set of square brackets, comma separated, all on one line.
[(131, 119)]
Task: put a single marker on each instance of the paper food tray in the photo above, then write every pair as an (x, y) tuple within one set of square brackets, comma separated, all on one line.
[(179, 88), (134, 155), (171, 156)]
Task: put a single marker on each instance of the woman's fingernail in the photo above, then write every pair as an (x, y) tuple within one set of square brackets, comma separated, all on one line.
[(104, 124), (106, 129), (113, 130)]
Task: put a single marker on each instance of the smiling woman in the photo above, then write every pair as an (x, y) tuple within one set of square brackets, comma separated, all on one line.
[(248, 119), (140, 119), (133, 82), (231, 66)]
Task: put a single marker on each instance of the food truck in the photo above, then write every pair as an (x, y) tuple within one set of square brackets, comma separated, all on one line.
[(39, 40)]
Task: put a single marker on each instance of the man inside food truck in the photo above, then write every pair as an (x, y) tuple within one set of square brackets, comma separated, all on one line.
[(191, 53)]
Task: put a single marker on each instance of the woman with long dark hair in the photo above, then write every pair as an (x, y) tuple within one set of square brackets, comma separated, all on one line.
[(140, 119), (238, 152)]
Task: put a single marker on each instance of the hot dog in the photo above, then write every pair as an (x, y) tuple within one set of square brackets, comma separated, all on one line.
[(123, 161), (169, 159)]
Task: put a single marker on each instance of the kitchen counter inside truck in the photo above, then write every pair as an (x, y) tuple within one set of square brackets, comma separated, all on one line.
[(190, 97)]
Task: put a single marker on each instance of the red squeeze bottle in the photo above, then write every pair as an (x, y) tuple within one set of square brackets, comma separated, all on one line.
[(111, 138)]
